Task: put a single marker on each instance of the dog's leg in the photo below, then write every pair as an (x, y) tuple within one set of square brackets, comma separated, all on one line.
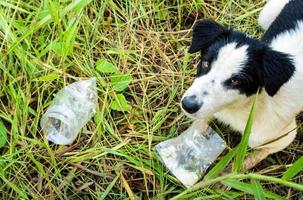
[(199, 126), (261, 153), (250, 161), (270, 12)]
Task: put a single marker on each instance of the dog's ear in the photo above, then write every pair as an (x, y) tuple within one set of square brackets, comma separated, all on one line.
[(278, 69), (205, 32)]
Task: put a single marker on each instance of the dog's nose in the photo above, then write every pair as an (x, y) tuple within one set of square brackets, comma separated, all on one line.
[(191, 104)]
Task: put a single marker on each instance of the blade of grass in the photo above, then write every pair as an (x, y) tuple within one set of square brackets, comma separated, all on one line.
[(293, 170), (243, 144), (270, 179), (276, 180), (185, 61), (108, 189), (3, 135), (248, 189), (12, 6), (38, 165), (219, 167), (75, 5), (248, 14), (257, 189), (127, 188), (13, 186)]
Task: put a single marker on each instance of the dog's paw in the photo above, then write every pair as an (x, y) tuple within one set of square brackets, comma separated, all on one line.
[(254, 158)]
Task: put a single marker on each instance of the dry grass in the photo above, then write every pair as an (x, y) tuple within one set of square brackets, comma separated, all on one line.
[(50, 44)]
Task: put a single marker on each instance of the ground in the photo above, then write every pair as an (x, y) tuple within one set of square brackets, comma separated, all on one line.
[(137, 49)]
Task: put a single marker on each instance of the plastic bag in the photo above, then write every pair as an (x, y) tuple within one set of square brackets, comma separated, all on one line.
[(189, 155), (71, 109)]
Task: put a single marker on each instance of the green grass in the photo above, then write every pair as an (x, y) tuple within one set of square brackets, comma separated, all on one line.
[(45, 46)]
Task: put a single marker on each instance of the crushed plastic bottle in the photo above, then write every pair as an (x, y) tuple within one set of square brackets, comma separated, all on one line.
[(189, 155), (71, 109)]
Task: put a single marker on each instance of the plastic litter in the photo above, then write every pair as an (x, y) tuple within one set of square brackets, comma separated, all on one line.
[(189, 155), (71, 109)]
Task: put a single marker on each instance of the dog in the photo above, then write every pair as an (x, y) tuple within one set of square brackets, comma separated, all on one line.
[(234, 67)]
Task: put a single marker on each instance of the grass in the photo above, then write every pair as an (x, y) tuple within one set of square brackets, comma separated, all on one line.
[(45, 46)]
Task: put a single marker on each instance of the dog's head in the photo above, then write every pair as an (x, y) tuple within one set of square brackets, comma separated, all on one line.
[(232, 68)]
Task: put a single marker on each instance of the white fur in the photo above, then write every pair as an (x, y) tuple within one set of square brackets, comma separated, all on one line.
[(230, 60), (270, 12), (275, 116)]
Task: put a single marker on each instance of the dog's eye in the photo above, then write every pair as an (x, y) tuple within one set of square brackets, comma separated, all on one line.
[(235, 81), (205, 64), (203, 68)]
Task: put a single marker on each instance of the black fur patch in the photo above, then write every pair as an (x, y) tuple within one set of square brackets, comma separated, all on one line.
[(265, 68), (205, 33), (251, 76), (278, 69), (287, 20)]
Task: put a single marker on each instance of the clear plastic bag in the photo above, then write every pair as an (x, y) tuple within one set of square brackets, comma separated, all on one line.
[(189, 155), (71, 109)]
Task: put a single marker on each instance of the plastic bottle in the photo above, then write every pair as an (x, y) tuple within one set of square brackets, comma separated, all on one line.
[(71, 109)]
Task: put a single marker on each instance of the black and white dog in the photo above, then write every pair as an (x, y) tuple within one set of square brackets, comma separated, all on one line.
[(234, 66)]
